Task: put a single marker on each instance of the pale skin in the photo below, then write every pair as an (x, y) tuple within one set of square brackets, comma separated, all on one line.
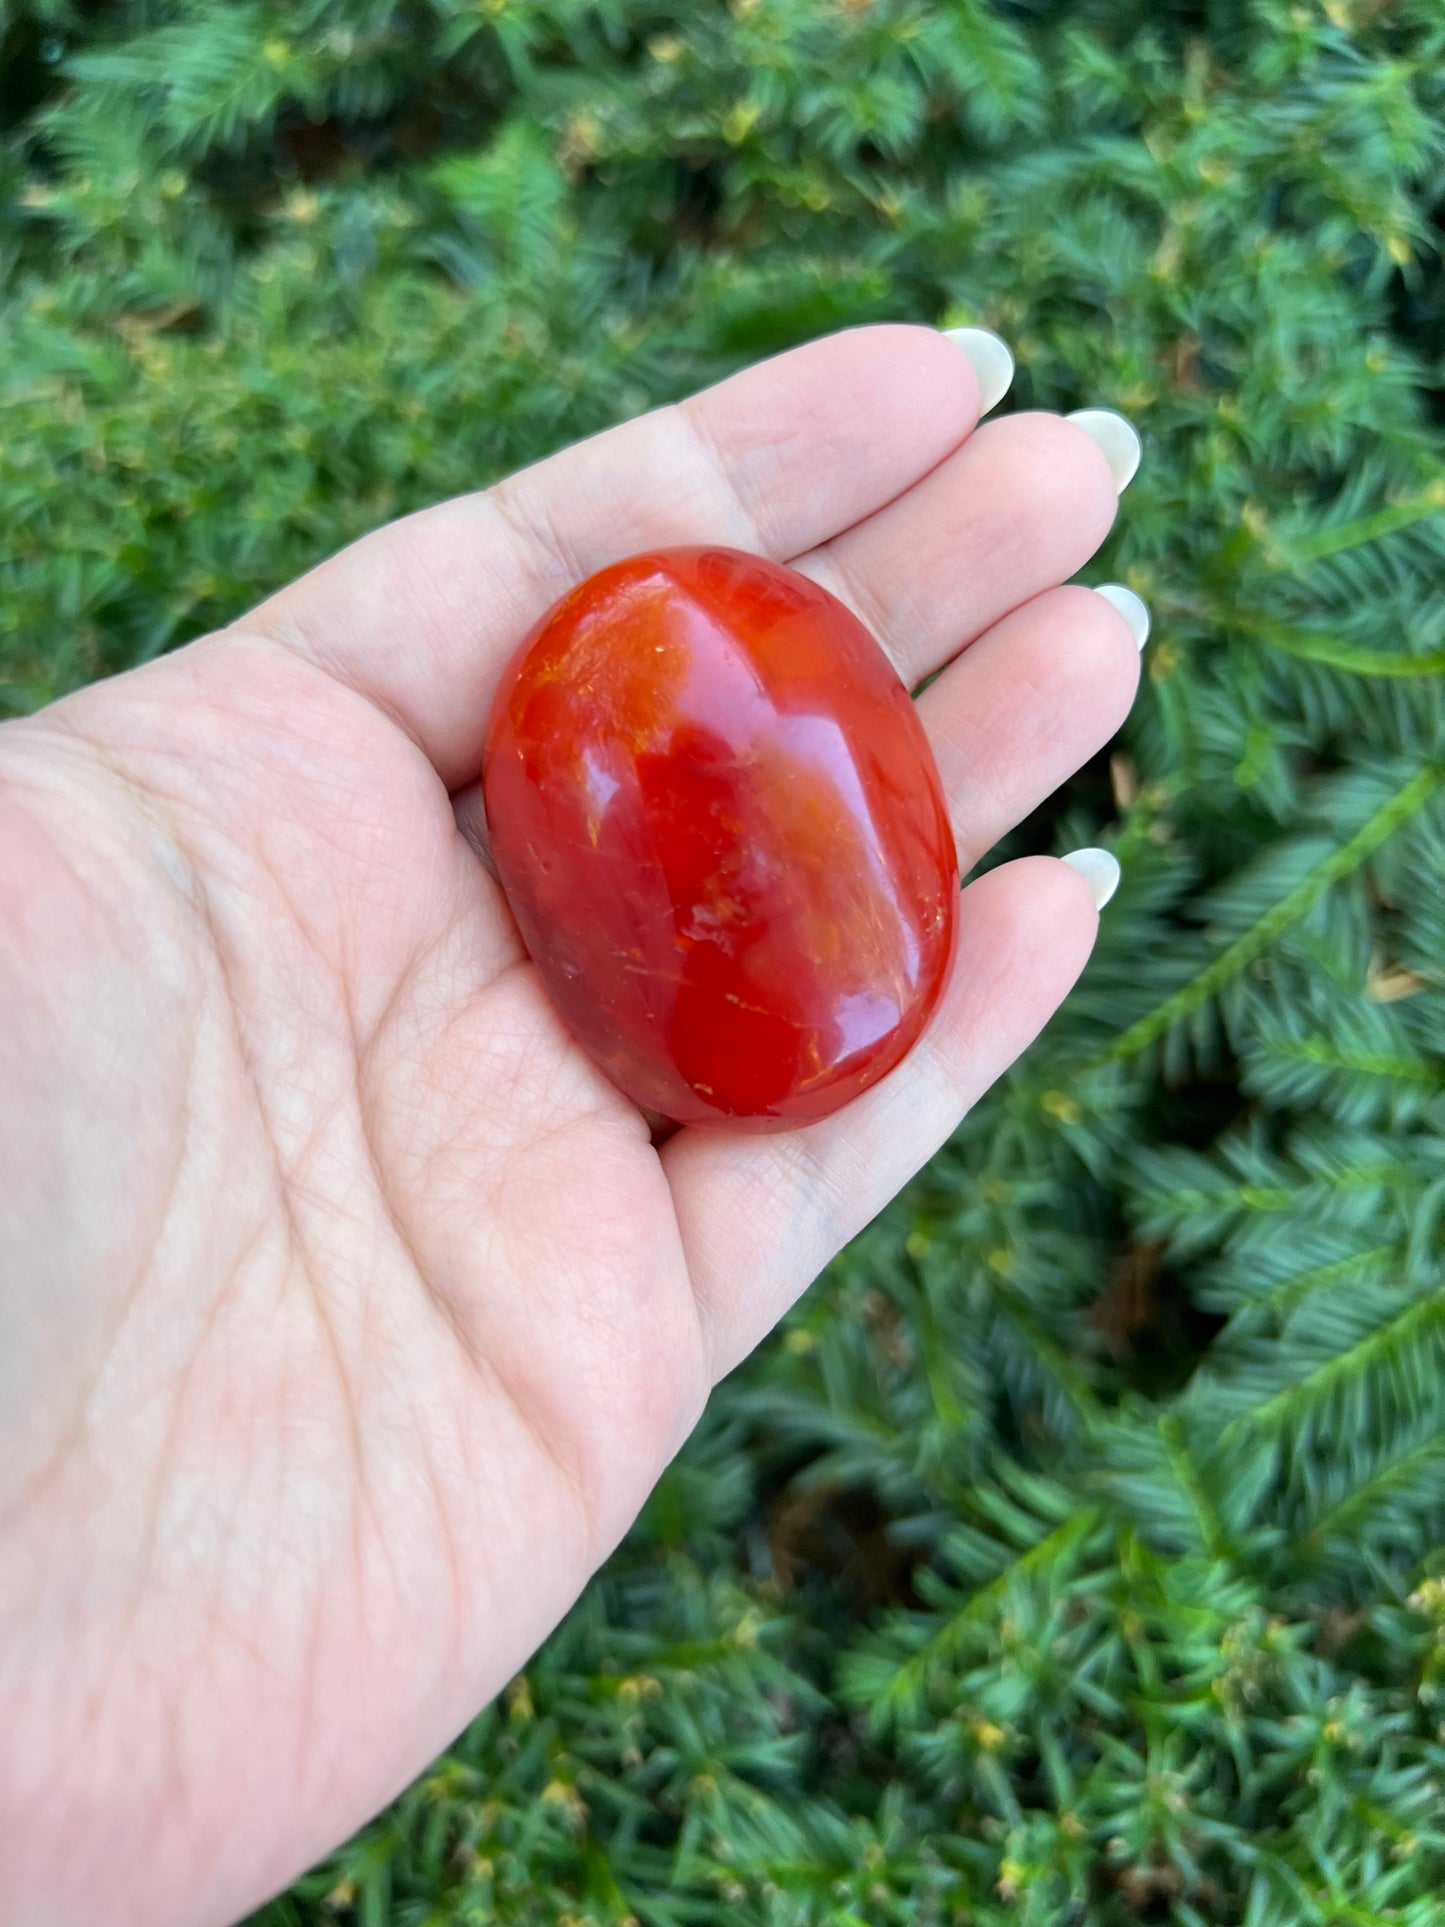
[(347, 1314)]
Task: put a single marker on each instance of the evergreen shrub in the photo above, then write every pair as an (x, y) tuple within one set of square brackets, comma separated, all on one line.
[(1076, 1553)]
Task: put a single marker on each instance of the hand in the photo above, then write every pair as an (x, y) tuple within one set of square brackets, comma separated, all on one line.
[(348, 1314)]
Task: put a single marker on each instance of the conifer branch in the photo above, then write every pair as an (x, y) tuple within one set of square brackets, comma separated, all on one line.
[(1413, 793)]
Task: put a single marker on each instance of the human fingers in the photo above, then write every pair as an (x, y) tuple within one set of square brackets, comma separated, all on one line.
[(422, 614)]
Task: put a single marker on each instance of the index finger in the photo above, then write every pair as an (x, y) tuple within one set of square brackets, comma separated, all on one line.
[(421, 615)]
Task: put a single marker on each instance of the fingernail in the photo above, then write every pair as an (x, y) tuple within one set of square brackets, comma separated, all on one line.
[(1099, 870), (1134, 609), (992, 363), (1118, 439)]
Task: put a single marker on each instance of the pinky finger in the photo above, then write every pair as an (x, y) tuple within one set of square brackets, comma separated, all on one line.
[(761, 1216)]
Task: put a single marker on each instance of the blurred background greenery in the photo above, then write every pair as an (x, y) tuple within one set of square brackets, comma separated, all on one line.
[(1075, 1552)]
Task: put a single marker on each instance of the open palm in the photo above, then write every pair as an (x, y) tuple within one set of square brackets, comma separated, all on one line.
[(347, 1313)]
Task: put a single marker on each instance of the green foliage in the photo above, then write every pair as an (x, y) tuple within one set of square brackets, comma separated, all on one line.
[(1077, 1554)]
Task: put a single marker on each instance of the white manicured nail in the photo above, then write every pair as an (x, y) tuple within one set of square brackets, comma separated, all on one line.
[(1118, 439), (1134, 609), (992, 363), (1099, 870)]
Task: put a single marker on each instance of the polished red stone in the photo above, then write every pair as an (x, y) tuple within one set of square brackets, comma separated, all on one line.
[(722, 834)]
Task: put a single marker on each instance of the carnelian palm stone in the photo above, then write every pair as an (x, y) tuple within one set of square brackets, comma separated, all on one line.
[(722, 834)]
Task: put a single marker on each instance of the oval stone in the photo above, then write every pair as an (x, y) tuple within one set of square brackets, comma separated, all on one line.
[(722, 834)]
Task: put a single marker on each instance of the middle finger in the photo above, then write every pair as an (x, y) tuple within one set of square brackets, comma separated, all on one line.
[(1017, 509)]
